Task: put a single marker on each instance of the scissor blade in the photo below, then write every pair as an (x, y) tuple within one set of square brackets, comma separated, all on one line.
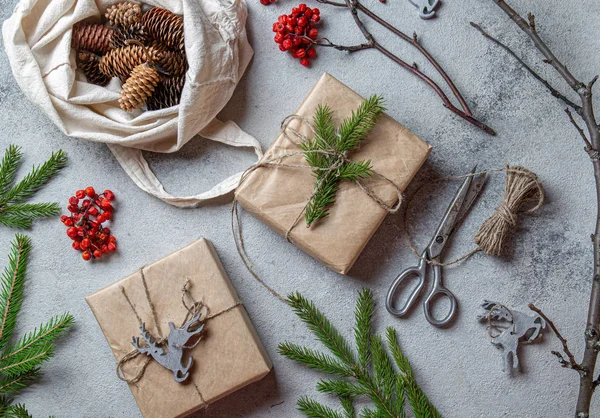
[(474, 191), (451, 217)]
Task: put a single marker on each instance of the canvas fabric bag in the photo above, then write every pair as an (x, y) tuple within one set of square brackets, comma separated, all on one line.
[(37, 40)]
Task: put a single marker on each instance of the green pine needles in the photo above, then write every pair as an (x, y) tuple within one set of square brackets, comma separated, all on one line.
[(20, 361), (367, 373), (326, 153), (14, 213)]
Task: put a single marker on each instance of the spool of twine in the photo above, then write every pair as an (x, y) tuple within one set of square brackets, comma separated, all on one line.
[(522, 185)]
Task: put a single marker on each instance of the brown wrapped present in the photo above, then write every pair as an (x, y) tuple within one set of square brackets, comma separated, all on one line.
[(277, 194), (227, 357)]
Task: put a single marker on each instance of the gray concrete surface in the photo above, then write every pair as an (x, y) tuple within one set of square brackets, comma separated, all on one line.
[(550, 260)]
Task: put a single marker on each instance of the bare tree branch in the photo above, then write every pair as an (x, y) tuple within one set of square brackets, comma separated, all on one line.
[(354, 6), (587, 366), (531, 71), (588, 145)]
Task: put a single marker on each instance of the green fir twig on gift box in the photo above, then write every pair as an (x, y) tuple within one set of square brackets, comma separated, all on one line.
[(367, 373), (14, 212), (327, 151), (20, 362)]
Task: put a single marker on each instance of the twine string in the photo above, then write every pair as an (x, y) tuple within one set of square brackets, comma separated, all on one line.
[(191, 311)]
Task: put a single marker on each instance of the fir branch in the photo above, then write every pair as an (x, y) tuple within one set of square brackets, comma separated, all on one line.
[(17, 411), (20, 363), (363, 316), (358, 126), (32, 210), (369, 413), (383, 371), (325, 135), (13, 212), (381, 383), (341, 388), (422, 407), (28, 360), (39, 337), (348, 405), (11, 287), (8, 167), (326, 153), (33, 181), (355, 170), (12, 385), (314, 409), (322, 328), (314, 359), (324, 196), (15, 222)]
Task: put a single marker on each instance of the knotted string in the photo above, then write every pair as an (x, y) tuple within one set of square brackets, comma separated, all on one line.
[(297, 138), (191, 311), (521, 185)]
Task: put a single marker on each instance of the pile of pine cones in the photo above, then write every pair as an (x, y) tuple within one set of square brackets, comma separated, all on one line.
[(144, 50)]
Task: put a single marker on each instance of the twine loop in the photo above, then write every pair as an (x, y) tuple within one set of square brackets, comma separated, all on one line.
[(504, 212)]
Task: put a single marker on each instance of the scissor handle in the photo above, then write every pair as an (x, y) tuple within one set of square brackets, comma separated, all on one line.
[(419, 271), (438, 290)]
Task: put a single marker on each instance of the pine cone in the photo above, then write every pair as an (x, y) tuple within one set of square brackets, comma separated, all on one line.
[(92, 37), (138, 87), (123, 15), (167, 93), (120, 62), (133, 32), (173, 63), (89, 64), (164, 26)]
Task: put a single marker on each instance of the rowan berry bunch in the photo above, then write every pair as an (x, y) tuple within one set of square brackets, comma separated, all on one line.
[(267, 2), (297, 34), (89, 210)]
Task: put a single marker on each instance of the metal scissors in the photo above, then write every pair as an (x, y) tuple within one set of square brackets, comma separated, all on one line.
[(460, 205)]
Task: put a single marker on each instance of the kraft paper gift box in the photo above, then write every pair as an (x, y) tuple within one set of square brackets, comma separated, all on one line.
[(277, 194), (228, 357)]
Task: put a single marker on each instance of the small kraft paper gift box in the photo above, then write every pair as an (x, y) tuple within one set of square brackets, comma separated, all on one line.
[(166, 296), (277, 193)]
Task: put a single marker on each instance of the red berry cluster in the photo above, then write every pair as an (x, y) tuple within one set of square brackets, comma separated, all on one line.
[(267, 2), (296, 32), (89, 211)]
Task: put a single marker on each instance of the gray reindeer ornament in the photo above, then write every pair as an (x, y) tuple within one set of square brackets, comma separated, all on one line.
[(507, 328), (176, 343)]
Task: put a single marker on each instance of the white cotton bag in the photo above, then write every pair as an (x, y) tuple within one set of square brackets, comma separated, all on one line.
[(37, 40)]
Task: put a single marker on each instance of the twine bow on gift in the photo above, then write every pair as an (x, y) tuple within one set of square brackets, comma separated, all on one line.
[(192, 325)]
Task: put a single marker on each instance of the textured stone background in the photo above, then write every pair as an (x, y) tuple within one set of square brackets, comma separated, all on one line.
[(550, 261)]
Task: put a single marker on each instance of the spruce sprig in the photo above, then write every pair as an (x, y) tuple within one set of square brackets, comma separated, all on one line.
[(14, 213), (20, 362), (371, 373), (323, 151)]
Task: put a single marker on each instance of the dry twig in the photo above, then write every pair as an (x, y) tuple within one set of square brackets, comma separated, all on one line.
[(354, 6), (571, 364)]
